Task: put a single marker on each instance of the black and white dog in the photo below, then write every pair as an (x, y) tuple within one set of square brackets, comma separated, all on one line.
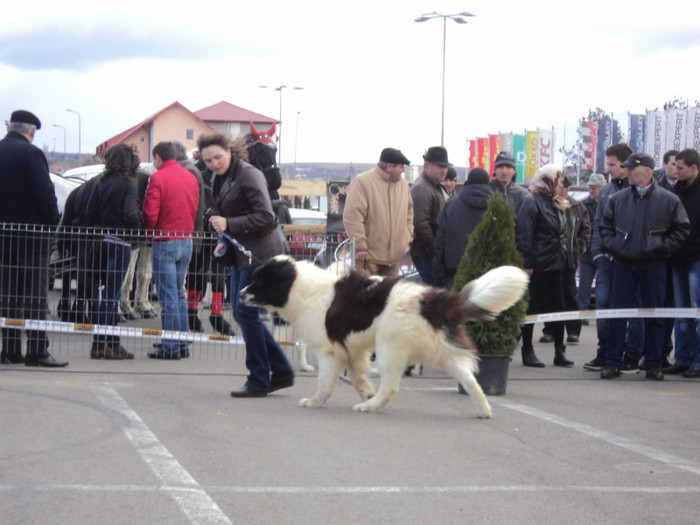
[(346, 318)]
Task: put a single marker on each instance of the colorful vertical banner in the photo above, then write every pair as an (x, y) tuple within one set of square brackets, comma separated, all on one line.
[(545, 147), (607, 130), (655, 143), (482, 153), (520, 155), (532, 145), (589, 139), (637, 132), (494, 149), (472, 154), (676, 129), (693, 136)]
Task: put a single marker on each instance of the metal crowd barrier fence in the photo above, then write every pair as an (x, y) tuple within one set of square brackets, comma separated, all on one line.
[(79, 284)]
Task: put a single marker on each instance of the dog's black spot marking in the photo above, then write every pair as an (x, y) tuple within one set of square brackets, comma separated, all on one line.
[(358, 301), (272, 282), (445, 310)]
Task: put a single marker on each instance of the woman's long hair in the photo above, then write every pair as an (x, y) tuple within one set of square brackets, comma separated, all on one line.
[(121, 160), (237, 146)]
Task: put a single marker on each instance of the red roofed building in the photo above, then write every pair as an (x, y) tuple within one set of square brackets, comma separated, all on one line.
[(227, 118), (174, 122)]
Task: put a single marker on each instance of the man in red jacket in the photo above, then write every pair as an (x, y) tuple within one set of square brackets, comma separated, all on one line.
[(169, 210)]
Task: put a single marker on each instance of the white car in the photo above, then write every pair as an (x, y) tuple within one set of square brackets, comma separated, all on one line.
[(63, 186)]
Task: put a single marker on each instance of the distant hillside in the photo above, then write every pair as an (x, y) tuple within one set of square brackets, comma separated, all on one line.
[(323, 170)]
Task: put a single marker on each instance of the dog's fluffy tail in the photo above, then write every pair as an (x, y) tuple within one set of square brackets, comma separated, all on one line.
[(497, 290)]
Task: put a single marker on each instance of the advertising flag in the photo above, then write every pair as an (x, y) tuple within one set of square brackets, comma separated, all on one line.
[(545, 147), (676, 129), (607, 131), (482, 153), (506, 141), (693, 137), (589, 139), (637, 132), (532, 146), (494, 149), (520, 155), (656, 135), (472, 154)]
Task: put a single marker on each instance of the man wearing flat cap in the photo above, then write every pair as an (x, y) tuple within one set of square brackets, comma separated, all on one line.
[(379, 215), (642, 226), (28, 201), (429, 198)]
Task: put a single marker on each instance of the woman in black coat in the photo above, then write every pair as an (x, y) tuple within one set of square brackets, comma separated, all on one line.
[(541, 238), (113, 207), (243, 210)]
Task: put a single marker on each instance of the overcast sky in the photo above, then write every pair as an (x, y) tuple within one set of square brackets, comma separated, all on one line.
[(372, 77)]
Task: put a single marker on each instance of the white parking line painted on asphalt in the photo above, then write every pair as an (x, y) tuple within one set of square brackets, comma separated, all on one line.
[(351, 490), (619, 441), (177, 482)]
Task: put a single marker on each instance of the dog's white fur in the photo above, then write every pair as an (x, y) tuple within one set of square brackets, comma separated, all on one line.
[(399, 335)]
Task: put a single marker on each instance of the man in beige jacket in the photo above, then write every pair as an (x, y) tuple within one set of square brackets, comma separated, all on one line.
[(379, 215)]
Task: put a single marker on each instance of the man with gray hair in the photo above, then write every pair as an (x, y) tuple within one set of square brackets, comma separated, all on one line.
[(587, 268), (28, 202)]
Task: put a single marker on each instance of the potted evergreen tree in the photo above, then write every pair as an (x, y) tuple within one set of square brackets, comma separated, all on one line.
[(492, 244)]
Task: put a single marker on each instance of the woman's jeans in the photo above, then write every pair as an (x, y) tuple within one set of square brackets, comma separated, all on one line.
[(264, 358)]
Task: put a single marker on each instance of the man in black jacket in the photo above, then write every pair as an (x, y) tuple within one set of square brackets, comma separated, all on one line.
[(641, 227), (686, 268), (27, 199)]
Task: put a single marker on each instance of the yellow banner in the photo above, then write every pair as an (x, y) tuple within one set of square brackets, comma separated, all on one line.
[(531, 163)]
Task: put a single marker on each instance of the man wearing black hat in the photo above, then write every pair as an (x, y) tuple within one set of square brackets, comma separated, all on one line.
[(27, 199), (504, 181), (642, 226), (459, 218), (379, 215), (450, 181), (429, 198)]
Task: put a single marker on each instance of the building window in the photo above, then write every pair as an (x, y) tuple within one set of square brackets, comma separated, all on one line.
[(190, 134)]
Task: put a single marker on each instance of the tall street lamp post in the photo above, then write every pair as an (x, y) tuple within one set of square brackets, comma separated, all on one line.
[(79, 132), (279, 124), (64, 140), (457, 17)]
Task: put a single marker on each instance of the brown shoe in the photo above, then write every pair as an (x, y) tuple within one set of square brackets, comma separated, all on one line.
[(117, 352)]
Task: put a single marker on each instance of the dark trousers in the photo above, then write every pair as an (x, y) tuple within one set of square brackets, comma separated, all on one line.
[(546, 296), (24, 288), (573, 327)]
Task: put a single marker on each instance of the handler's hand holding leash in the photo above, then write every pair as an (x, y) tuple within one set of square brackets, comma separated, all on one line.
[(217, 224)]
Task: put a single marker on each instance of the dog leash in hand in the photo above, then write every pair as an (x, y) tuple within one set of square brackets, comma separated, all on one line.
[(223, 235)]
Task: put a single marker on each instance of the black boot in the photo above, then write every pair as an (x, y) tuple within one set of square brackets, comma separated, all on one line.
[(221, 325), (530, 359), (560, 357), (193, 321)]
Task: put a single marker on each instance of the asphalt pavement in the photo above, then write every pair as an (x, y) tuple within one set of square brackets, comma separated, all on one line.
[(146, 441)]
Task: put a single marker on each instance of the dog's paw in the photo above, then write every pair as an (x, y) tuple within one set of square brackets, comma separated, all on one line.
[(364, 407), (486, 413), (310, 402), (307, 368)]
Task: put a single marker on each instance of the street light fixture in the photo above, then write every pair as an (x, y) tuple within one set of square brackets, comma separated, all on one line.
[(457, 17), (64, 140), (279, 123), (79, 133)]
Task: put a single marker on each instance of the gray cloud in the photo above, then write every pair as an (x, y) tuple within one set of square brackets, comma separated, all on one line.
[(664, 38), (66, 47)]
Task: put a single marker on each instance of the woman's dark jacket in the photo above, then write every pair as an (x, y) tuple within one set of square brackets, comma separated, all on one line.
[(241, 196), (461, 215), (114, 203), (541, 234)]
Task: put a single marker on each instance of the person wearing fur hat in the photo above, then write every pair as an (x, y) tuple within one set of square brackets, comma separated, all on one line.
[(504, 181), (459, 218), (541, 238), (28, 199)]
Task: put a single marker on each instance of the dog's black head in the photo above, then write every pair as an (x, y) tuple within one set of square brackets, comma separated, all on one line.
[(271, 283)]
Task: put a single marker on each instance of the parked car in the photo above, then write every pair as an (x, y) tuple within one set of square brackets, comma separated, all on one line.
[(307, 242), (63, 186)]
